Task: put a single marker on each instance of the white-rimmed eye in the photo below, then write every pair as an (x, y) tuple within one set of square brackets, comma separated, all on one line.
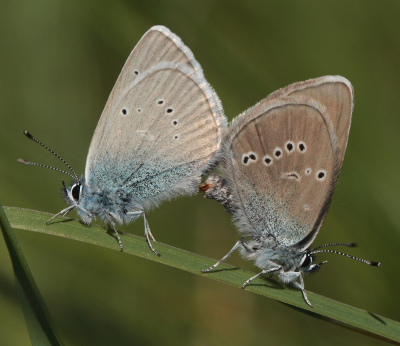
[(76, 192), (306, 260)]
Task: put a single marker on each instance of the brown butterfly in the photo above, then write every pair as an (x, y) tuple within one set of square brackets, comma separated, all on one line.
[(281, 160)]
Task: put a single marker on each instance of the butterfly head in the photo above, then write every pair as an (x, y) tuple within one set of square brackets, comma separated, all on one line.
[(306, 263), (73, 194)]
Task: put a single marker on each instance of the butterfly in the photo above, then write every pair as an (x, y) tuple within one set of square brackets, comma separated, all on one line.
[(281, 161), (161, 129)]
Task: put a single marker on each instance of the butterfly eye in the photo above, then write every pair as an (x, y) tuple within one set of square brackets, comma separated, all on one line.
[(307, 260), (75, 191)]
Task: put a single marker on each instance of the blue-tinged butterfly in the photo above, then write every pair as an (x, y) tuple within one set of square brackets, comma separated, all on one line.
[(160, 130)]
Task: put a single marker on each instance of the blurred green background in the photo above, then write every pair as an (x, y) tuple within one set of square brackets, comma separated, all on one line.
[(59, 62)]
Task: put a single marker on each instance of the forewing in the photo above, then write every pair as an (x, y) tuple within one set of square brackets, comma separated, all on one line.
[(282, 160), (157, 45), (161, 133), (333, 92)]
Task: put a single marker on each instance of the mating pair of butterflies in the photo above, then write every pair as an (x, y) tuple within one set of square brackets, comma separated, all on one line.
[(163, 128)]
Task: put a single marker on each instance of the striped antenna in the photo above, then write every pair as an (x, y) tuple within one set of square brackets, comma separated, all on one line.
[(25, 162)]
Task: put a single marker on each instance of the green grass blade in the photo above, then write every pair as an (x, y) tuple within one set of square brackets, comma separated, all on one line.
[(37, 317), (324, 308)]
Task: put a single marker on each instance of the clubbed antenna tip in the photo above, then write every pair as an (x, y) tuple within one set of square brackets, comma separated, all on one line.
[(27, 134), (376, 264)]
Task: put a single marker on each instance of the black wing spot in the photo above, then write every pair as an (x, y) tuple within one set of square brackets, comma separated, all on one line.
[(321, 175), (252, 156), (267, 160), (302, 147), (278, 153), (289, 146)]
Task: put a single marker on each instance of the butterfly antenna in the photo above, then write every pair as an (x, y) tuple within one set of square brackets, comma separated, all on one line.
[(336, 244), (25, 162), (371, 263)]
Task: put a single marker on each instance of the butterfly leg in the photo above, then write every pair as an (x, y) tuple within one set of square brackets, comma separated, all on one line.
[(62, 213), (223, 259), (263, 272), (149, 235), (290, 277), (300, 286), (118, 238), (110, 219)]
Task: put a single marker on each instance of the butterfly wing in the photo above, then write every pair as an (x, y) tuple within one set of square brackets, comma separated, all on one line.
[(283, 158), (161, 127), (157, 45), (340, 97)]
